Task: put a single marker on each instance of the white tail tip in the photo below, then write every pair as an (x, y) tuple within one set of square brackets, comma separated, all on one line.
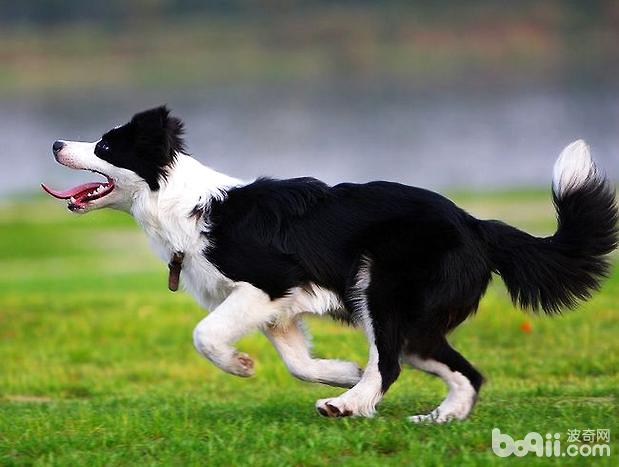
[(573, 168)]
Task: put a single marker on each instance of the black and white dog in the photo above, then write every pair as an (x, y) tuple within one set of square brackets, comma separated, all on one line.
[(405, 264)]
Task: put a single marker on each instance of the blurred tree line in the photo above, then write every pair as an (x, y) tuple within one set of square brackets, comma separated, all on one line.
[(65, 44), (52, 12)]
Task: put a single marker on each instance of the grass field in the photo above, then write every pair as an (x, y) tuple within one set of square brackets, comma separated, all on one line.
[(97, 365)]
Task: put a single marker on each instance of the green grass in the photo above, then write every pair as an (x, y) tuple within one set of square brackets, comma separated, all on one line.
[(97, 365)]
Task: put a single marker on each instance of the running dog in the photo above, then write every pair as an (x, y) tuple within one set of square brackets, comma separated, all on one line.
[(405, 264)]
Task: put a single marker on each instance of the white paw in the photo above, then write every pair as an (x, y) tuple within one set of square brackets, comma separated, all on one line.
[(431, 417), (333, 408), (241, 364), (436, 416), (450, 409), (456, 406), (344, 407)]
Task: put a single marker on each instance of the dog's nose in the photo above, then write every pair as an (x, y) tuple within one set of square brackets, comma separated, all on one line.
[(57, 146)]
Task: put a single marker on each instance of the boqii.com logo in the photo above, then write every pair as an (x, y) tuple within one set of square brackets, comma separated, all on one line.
[(583, 443)]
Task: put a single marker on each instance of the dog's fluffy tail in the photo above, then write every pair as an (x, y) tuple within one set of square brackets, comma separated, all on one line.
[(556, 272)]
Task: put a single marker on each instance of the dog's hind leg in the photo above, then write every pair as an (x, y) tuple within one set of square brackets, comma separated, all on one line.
[(462, 379), (374, 304), (381, 371), (292, 344), (246, 309)]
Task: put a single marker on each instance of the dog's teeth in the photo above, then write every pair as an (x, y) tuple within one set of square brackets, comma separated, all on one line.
[(72, 200)]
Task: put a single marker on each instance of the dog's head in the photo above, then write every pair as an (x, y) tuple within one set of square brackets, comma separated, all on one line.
[(133, 157)]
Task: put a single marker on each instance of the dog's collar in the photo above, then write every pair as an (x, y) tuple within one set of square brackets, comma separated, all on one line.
[(175, 265)]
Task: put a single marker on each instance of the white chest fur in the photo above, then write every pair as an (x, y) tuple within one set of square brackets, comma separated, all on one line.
[(166, 217), (171, 227)]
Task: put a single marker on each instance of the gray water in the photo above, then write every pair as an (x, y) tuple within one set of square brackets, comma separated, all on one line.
[(479, 140)]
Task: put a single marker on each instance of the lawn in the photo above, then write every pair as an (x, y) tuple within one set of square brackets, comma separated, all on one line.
[(97, 365)]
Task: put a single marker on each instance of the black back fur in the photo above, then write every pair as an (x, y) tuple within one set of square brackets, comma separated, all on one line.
[(431, 261), (287, 233)]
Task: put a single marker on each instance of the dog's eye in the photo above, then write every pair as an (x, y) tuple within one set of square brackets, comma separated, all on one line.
[(102, 147)]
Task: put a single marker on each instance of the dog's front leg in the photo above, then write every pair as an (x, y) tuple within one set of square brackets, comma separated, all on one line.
[(247, 308)]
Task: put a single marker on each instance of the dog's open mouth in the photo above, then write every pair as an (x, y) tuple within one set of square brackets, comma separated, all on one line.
[(81, 195)]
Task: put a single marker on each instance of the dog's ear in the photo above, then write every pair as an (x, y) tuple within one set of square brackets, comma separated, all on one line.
[(175, 129), (158, 140), (156, 127)]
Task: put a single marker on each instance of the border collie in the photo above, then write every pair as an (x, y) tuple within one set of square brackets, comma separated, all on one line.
[(405, 264)]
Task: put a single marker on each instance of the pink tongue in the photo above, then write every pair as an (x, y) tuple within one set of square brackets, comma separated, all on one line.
[(71, 191)]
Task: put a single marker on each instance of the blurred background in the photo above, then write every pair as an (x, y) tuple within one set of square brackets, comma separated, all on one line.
[(472, 98), (441, 94)]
